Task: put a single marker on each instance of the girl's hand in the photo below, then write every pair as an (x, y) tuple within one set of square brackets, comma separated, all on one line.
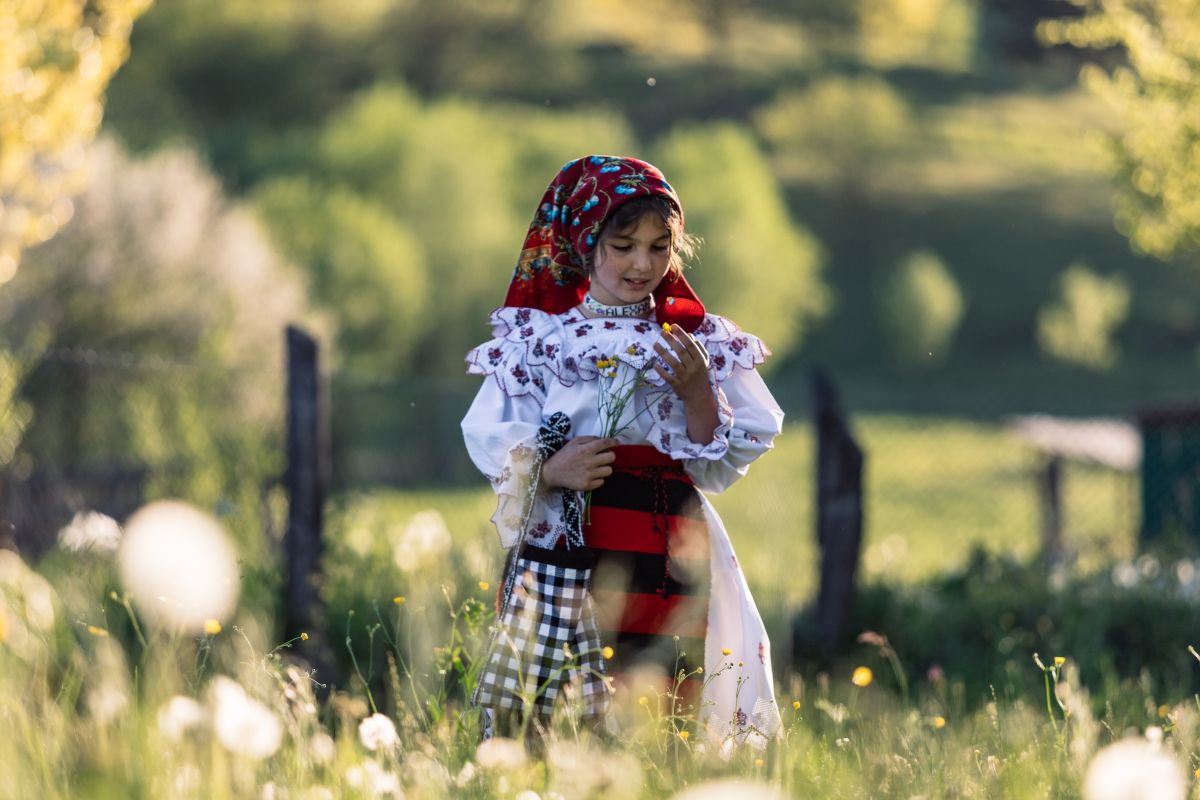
[(688, 361), (582, 464)]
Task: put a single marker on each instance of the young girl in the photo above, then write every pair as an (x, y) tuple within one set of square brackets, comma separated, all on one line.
[(612, 401)]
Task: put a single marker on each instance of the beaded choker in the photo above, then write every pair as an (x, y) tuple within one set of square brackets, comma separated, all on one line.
[(641, 309)]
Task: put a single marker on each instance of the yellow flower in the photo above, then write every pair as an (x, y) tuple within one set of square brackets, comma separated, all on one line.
[(1197, 773), (212, 627), (398, 599), (740, 664), (862, 676), (666, 327), (607, 652), (684, 735), (796, 705), (643, 701), (303, 636), (94, 631), (699, 670), (1163, 711), (484, 586), (725, 651), (758, 762), (939, 722), (632, 350), (1059, 661)]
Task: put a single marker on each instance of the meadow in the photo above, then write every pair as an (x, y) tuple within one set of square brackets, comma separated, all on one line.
[(104, 696)]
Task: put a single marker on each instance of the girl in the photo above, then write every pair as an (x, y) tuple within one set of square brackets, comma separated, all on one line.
[(612, 401)]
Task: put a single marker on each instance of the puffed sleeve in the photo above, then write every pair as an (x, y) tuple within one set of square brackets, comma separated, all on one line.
[(501, 426), (749, 417)]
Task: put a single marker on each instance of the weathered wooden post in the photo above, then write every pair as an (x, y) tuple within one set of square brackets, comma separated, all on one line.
[(1050, 495), (306, 479), (839, 515)]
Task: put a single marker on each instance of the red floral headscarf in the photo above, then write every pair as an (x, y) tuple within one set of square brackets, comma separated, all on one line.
[(552, 276)]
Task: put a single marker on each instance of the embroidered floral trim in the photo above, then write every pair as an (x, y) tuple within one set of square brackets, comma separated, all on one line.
[(531, 345), (667, 431)]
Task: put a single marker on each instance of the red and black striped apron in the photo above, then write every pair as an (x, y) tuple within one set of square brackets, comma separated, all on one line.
[(651, 579)]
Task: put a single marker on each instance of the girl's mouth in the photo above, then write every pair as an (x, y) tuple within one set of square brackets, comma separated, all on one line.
[(636, 284)]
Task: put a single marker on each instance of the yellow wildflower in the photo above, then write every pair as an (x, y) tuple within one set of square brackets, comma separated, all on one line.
[(303, 636), (398, 599), (666, 327), (939, 722), (212, 627), (684, 735), (484, 586), (862, 676), (1197, 773), (632, 350), (94, 631), (796, 705), (699, 670), (607, 652), (758, 762), (725, 651), (643, 701), (3, 626), (1163, 711), (1059, 661)]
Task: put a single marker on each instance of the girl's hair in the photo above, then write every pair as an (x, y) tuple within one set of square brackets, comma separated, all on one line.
[(627, 216)]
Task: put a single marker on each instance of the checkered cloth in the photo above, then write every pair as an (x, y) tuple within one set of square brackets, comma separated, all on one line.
[(547, 639)]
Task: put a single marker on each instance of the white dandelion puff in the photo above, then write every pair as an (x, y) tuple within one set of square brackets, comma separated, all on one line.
[(1134, 770), (179, 715), (90, 531), (243, 725), (179, 566), (378, 733)]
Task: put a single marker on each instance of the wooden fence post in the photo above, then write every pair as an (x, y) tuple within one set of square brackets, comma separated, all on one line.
[(306, 479), (839, 515)]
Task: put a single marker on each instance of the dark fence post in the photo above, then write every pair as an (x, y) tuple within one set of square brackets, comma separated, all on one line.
[(839, 515), (1050, 493), (305, 480)]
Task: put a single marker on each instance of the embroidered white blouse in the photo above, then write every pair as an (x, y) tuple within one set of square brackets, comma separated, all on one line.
[(539, 363)]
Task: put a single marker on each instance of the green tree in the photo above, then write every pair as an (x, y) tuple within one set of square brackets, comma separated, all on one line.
[(838, 130), (56, 58), (1156, 154), (921, 308), (1079, 326), (365, 267), (756, 266), (153, 327)]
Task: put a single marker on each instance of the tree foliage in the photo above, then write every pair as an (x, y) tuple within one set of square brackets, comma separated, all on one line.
[(153, 329), (1078, 327), (756, 266), (1156, 94), (56, 58), (921, 308)]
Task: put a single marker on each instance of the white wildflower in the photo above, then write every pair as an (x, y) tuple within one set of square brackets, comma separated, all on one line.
[(242, 724), (90, 530), (179, 715), (378, 733), (466, 775), (423, 542), (322, 748), (528, 794), (1134, 770), (107, 702), (500, 753), (179, 566), (374, 780)]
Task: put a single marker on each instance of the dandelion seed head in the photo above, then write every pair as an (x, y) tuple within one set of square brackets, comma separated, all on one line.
[(182, 555), (90, 531), (1134, 770), (179, 715), (500, 753), (378, 734), (243, 725)]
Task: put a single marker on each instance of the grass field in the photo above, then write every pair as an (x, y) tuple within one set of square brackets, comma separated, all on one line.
[(100, 704)]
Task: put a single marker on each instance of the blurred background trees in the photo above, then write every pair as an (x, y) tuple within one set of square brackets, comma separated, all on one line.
[(875, 183)]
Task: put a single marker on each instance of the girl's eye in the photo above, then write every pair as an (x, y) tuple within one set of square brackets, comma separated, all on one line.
[(621, 248), (661, 248)]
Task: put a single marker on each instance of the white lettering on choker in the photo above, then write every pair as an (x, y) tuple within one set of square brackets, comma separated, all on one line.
[(641, 309)]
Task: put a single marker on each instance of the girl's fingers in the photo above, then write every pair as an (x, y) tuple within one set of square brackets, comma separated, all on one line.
[(595, 483), (666, 376), (601, 472)]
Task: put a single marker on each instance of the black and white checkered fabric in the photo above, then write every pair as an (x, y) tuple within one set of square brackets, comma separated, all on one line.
[(548, 640)]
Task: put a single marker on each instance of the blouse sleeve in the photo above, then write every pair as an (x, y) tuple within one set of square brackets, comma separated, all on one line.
[(749, 417), (500, 428), (756, 420)]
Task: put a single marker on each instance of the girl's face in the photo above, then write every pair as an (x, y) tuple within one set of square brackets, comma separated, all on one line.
[(630, 264)]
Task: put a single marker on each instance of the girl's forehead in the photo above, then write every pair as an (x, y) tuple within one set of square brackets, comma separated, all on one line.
[(648, 226)]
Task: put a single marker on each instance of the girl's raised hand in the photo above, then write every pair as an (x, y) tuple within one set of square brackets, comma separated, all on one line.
[(582, 464), (688, 361)]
